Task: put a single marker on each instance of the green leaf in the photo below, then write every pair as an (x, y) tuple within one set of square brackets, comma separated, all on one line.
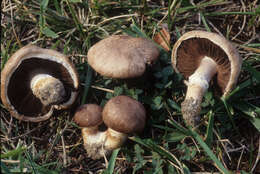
[(112, 161), (175, 136), (248, 109), (174, 105), (167, 71), (256, 123), (253, 71), (43, 5), (118, 91), (49, 33), (138, 31), (157, 103), (252, 111)]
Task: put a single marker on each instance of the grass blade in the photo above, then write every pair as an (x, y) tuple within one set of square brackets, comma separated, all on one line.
[(76, 21), (153, 146), (88, 81), (250, 110), (206, 148), (4, 168), (112, 161), (209, 134), (14, 152), (254, 72), (228, 109), (179, 127), (204, 21)]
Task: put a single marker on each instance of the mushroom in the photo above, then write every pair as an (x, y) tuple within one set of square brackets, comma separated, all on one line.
[(89, 118), (122, 115), (35, 81), (200, 57), (120, 56)]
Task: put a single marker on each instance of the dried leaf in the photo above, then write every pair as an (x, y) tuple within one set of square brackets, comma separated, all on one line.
[(163, 38)]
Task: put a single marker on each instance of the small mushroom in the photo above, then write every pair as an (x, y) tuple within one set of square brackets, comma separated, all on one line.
[(34, 81), (89, 118), (120, 56), (122, 115), (202, 57)]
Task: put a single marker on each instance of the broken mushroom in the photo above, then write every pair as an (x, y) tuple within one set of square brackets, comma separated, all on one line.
[(202, 57), (35, 81), (122, 115), (120, 56)]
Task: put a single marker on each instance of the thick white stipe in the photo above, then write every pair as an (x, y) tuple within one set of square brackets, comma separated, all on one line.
[(203, 73)]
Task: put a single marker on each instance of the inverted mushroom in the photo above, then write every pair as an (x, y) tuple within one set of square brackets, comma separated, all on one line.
[(122, 115), (120, 56), (202, 57), (36, 81)]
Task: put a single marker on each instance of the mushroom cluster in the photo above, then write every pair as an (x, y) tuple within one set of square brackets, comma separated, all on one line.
[(35, 81), (120, 56), (203, 57), (122, 115)]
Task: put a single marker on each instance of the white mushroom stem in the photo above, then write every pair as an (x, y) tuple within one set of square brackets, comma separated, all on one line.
[(99, 144), (114, 139), (48, 89), (197, 85)]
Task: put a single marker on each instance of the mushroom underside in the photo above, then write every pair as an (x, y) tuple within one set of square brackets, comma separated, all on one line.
[(18, 90), (194, 50)]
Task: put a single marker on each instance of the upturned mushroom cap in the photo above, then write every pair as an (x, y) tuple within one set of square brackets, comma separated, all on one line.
[(188, 51), (120, 56), (88, 115), (19, 70), (124, 114)]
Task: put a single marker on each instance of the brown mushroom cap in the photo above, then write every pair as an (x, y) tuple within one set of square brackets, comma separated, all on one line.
[(88, 115), (120, 56), (194, 45), (124, 114), (28, 61)]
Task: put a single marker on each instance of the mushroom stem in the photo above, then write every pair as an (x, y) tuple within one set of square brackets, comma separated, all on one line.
[(114, 139), (98, 144), (48, 89), (94, 142), (197, 85)]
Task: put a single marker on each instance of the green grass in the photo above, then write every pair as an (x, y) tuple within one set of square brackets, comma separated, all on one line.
[(166, 146)]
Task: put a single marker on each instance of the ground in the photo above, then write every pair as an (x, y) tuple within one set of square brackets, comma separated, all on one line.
[(227, 138)]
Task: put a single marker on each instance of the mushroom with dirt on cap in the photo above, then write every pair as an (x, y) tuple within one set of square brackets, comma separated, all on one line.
[(201, 57), (35, 81), (122, 115), (120, 56)]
